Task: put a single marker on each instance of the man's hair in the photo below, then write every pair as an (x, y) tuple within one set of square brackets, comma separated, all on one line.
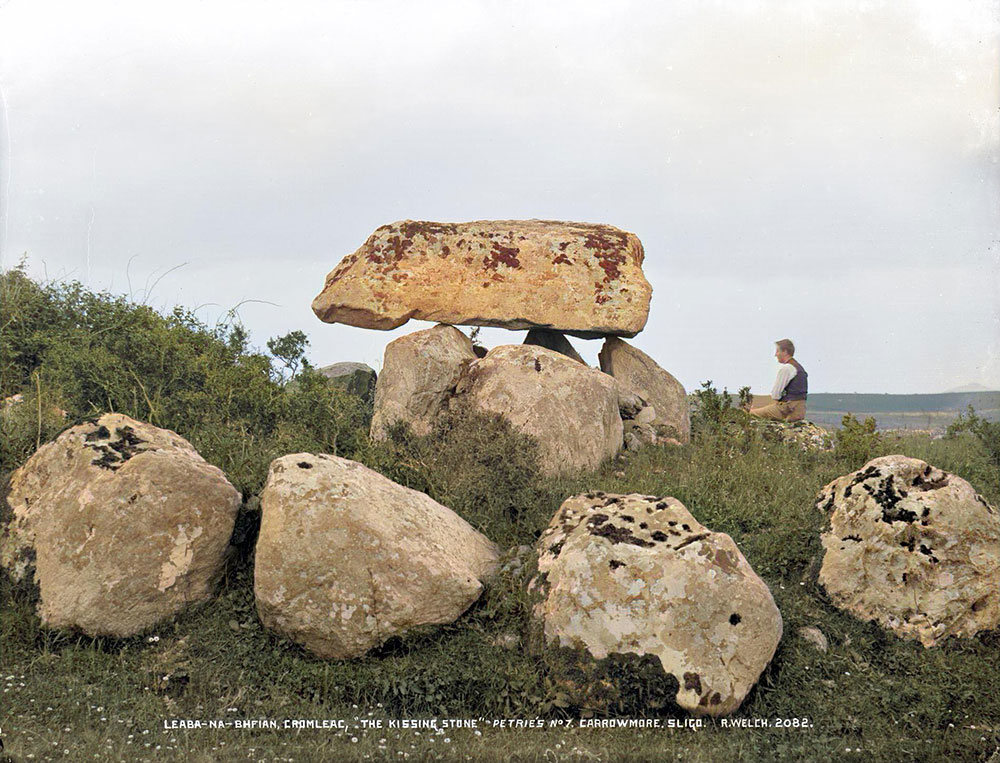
[(786, 345)]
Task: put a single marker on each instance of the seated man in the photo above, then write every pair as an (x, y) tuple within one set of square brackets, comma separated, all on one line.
[(789, 393)]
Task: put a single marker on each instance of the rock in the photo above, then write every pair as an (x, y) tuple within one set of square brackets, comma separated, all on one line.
[(555, 341), (646, 415), (117, 525), (815, 637), (572, 410), (357, 378), (419, 374), (634, 581), (912, 547), (580, 278), (629, 403), (346, 558), (639, 372), (801, 434)]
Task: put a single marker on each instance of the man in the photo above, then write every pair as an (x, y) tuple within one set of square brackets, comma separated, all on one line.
[(790, 387)]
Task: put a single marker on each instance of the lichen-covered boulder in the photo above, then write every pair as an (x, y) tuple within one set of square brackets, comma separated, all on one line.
[(802, 434), (580, 278), (419, 374), (658, 388), (634, 585), (357, 378), (913, 548), (572, 410), (346, 558), (116, 526)]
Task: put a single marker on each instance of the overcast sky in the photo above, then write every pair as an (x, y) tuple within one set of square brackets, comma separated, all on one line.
[(826, 171)]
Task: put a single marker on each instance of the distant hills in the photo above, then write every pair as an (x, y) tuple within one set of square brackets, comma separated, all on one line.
[(971, 388), (933, 412)]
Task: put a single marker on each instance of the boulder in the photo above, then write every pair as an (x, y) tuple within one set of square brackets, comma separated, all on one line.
[(640, 373), (357, 378), (801, 434), (634, 583), (580, 278), (913, 548), (419, 374), (117, 525), (572, 410), (346, 558), (553, 340)]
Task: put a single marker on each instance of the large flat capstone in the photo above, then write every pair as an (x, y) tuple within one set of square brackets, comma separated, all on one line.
[(580, 278)]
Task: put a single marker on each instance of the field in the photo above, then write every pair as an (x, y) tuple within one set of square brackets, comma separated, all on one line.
[(69, 697)]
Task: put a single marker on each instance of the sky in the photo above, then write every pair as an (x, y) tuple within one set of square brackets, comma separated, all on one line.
[(823, 171)]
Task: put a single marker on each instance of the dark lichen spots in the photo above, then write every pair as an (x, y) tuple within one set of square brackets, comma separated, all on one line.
[(909, 544), (538, 364), (686, 528), (856, 538), (615, 564), (692, 682), (659, 536), (672, 523), (499, 253), (661, 505), (921, 483), (887, 497), (691, 539), (617, 534), (735, 619), (627, 518), (716, 698), (597, 519), (116, 451), (828, 506), (304, 465), (101, 433), (643, 525), (556, 548)]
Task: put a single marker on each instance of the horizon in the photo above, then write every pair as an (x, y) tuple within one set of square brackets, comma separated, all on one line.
[(817, 171)]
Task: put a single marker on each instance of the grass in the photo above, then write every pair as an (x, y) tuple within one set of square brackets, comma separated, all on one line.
[(871, 696)]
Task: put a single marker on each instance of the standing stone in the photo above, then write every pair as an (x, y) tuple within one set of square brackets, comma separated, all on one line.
[(639, 372), (635, 585), (555, 341), (346, 558), (357, 378), (580, 278), (912, 547), (572, 410), (117, 525), (419, 374)]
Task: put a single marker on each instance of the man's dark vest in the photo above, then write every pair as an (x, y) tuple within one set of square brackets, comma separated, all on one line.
[(798, 386)]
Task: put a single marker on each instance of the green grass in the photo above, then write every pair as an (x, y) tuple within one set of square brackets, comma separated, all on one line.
[(872, 694)]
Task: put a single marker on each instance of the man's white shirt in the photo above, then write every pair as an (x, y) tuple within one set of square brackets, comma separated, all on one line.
[(786, 372)]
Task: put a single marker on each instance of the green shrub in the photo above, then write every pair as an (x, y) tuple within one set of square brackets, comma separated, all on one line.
[(857, 442), (987, 432), (479, 466), (89, 353)]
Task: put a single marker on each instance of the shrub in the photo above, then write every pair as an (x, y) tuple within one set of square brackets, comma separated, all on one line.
[(857, 442), (987, 432), (90, 353)]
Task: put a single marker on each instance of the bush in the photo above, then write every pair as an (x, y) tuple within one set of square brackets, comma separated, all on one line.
[(987, 432), (89, 353), (479, 466), (857, 442)]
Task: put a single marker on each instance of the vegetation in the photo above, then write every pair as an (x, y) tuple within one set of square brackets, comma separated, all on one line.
[(70, 697)]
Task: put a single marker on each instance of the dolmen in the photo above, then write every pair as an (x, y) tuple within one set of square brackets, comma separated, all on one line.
[(551, 278)]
